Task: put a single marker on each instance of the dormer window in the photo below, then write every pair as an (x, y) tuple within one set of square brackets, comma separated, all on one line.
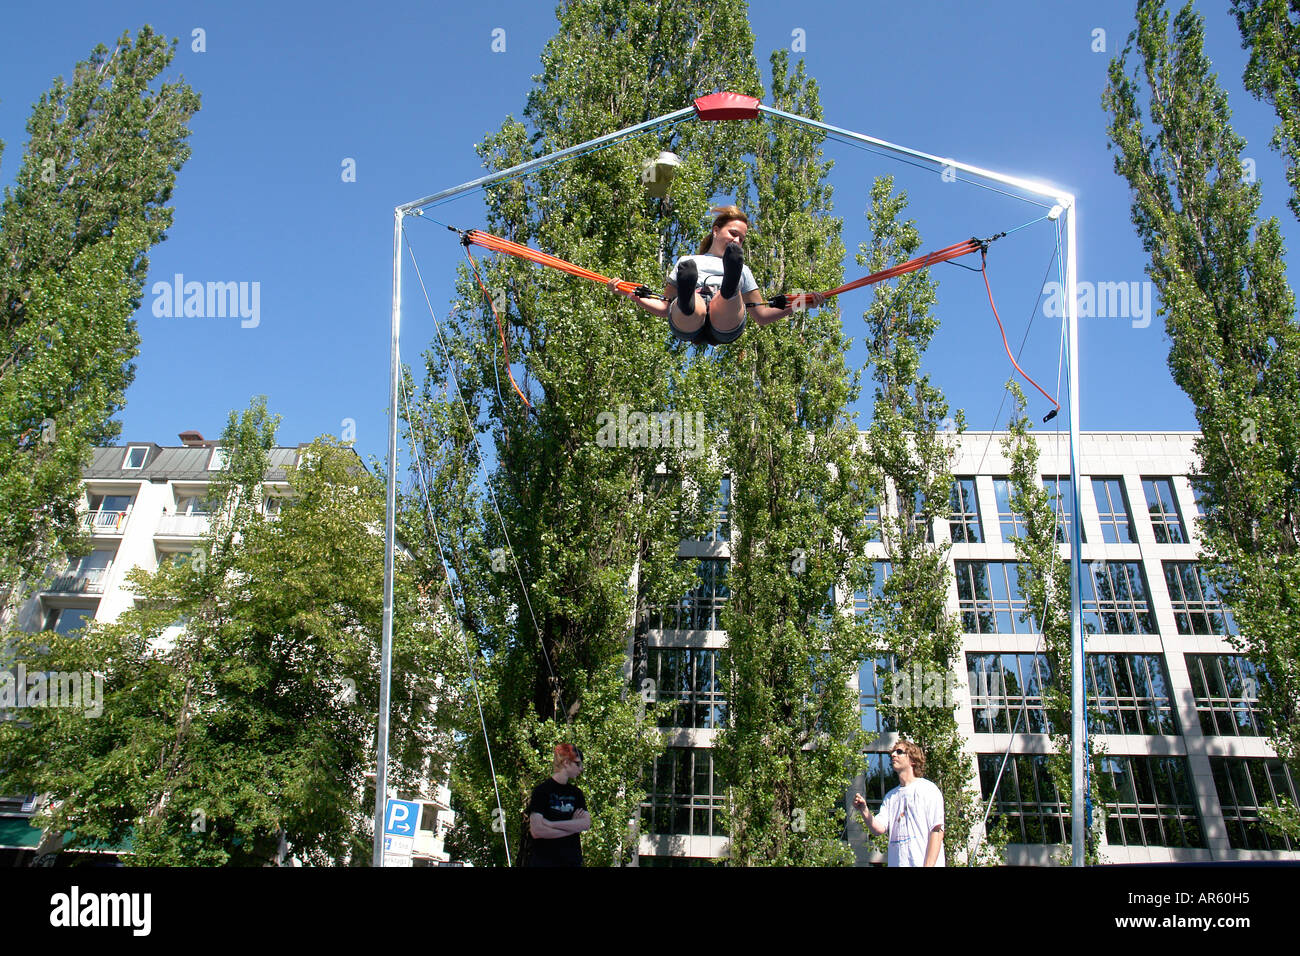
[(135, 456), (218, 460)]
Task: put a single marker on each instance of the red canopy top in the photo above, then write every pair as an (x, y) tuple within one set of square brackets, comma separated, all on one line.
[(726, 106)]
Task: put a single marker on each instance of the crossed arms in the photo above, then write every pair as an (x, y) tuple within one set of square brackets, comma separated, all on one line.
[(543, 829)]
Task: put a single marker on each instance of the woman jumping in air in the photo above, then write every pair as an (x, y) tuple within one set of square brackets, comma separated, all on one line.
[(701, 292)]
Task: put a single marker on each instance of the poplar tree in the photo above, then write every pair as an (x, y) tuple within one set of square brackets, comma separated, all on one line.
[(1270, 30), (1235, 348), (909, 459), (90, 200), (552, 591), (799, 509)]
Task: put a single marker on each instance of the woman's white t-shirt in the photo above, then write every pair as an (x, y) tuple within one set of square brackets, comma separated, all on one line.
[(709, 270)]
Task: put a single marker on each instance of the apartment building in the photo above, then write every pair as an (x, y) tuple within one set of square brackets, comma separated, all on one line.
[(1185, 747), (144, 504)]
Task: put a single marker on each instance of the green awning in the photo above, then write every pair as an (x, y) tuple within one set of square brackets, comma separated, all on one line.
[(17, 834), (96, 846)]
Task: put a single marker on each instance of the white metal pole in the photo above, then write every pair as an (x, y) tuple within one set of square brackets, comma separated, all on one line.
[(1038, 189), (548, 158), (1078, 726), (390, 544)]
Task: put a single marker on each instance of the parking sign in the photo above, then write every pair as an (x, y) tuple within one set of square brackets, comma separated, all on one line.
[(401, 818)]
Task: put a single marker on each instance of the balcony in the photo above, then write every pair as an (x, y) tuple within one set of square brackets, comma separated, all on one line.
[(90, 581), (193, 525), (104, 522)]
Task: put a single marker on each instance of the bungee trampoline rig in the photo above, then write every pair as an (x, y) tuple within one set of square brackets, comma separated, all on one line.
[(730, 107)]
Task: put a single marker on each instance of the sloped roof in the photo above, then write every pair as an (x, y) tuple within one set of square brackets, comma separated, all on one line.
[(174, 463)]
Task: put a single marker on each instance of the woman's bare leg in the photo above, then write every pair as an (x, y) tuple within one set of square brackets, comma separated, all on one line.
[(725, 315), (687, 323)]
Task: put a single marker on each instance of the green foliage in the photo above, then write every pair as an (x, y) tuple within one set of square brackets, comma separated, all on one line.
[(1284, 818), (90, 200), (791, 737), (255, 718), (1270, 30), (1230, 316), (909, 466), (594, 532)]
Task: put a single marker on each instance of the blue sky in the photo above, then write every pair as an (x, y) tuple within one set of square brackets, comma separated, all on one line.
[(407, 88)]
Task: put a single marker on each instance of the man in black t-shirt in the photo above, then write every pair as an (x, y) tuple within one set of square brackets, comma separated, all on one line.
[(557, 813)]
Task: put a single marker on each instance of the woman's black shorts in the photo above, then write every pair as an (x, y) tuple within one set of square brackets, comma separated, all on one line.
[(706, 334)]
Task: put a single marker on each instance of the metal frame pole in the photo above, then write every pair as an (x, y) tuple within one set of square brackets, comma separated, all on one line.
[(390, 540), (548, 158), (1078, 726), (1028, 185)]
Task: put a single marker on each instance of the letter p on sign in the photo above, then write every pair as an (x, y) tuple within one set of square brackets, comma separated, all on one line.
[(401, 818)]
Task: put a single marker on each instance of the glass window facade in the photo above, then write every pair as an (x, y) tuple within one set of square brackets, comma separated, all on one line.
[(872, 682), (65, 620), (1154, 800), (1012, 522), (918, 519), (1115, 599), (701, 607), (720, 529), (1245, 785), (1163, 507), (1226, 690), (1061, 497), (687, 686), (879, 779), (196, 505), (964, 520), (989, 598), (1006, 692), (1028, 803), (1154, 805), (1112, 511), (685, 796), (862, 600), (1132, 693), (873, 519), (1196, 604)]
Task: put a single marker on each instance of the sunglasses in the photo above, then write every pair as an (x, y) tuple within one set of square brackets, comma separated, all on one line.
[(900, 752)]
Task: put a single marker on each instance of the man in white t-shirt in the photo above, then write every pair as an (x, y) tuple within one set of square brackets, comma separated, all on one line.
[(912, 813)]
